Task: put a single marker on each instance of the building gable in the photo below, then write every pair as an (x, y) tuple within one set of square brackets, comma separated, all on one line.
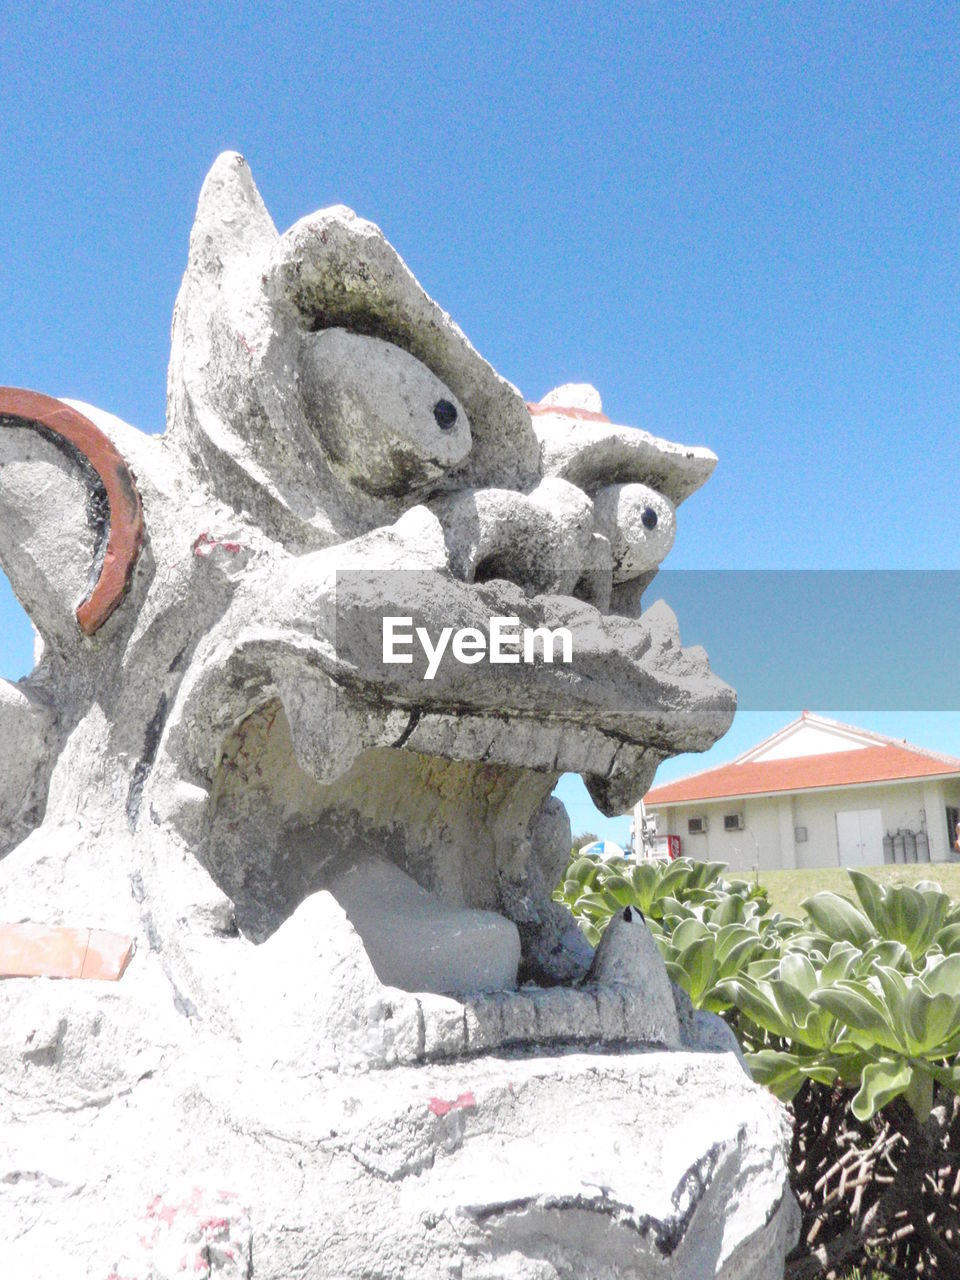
[(810, 735)]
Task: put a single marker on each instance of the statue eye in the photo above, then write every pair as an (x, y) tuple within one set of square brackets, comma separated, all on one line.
[(649, 518), (446, 415)]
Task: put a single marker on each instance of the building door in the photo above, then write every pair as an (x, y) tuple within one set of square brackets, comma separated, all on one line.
[(860, 837), (953, 818)]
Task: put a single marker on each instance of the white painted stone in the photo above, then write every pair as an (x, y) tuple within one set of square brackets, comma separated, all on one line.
[(627, 957), (228, 772), (49, 560), (386, 421), (595, 454), (186, 1229), (415, 942), (640, 525), (575, 395), (25, 730)]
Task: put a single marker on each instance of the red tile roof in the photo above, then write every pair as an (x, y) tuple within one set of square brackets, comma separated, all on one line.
[(885, 763)]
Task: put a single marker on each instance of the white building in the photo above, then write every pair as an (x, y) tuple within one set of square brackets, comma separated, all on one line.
[(816, 794)]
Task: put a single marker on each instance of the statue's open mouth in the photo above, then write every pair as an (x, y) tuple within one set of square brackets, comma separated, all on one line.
[(424, 806), (441, 867)]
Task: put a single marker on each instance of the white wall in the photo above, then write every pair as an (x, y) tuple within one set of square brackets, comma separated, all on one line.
[(739, 849), (810, 737), (770, 823)]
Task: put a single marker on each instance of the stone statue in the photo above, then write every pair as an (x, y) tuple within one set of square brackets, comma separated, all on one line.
[(352, 1036)]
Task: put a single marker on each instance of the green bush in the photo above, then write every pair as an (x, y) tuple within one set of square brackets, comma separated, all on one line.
[(851, 1011), (864, 994)]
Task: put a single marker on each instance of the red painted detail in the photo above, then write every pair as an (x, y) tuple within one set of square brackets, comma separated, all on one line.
[(206, 542), (465, 1102), (54, 951), (126, 510), (586, 415)]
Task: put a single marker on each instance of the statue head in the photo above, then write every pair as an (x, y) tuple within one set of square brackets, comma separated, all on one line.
[(331, 640)]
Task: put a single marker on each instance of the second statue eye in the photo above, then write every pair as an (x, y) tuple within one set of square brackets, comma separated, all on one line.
[(445, 414), (649, 518)]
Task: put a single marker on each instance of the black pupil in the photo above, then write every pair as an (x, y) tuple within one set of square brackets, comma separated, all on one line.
[(649, 518), (446, 415)]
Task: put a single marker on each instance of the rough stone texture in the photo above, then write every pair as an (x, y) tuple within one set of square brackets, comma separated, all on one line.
[(26, 722), (113, 505), (592, 455), (640, 525), (329, 1055), (388, 424), (416, 943), (627, 958), (574, 395), (189, 1230), (705, 1031)]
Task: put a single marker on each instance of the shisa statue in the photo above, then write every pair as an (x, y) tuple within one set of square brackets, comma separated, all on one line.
[(279, 792)]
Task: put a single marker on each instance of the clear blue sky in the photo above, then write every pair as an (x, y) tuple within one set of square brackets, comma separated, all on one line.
[(741, 222)]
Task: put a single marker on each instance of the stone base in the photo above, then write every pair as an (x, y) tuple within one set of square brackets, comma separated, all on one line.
[(647, 1164)]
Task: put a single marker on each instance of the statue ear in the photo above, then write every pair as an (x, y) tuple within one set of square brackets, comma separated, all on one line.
[(71, 521), (231, 224)]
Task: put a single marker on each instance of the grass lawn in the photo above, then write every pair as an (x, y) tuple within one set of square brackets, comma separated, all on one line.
[(787, 889)]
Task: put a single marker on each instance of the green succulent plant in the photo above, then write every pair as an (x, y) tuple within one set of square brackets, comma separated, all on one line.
[(865, 993), (918, 917), (700, 955), (593, 890)]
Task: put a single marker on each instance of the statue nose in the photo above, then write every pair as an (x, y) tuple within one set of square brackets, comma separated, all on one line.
[(635, 482), (557, 540), (600, 522), (541, 541)]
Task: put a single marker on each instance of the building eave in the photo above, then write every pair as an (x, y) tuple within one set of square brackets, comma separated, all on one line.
[(654, 805)]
